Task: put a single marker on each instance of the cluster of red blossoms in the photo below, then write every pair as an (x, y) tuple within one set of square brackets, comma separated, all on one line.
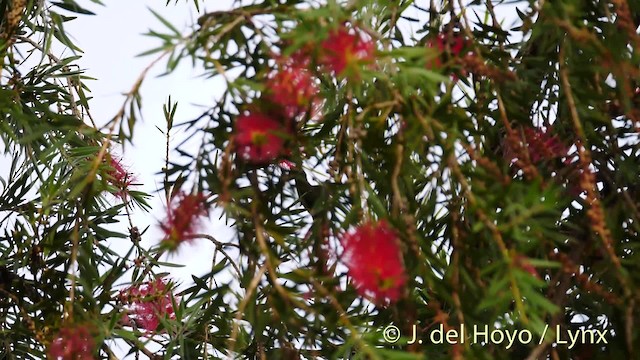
[(260, 136), (72, 343), (147, 304), (371, 252), (183, 219), (374, 260)]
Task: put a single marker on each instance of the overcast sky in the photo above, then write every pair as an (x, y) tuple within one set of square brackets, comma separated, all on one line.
[(111, 40)]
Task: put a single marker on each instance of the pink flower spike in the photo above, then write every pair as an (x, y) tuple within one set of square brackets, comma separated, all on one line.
[(72, 343), (147, 303), (118, 176), (183, 219)]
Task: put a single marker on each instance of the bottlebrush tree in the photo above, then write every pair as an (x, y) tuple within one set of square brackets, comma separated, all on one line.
[(423, 165)]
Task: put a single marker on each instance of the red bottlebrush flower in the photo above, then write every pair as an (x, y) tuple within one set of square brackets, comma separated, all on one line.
[(118, 176), (374, 261), (72, 343), (345, 48), (183, 218), (259, 138), (148, 303), (293, 88), (543, 146), (446, 45)]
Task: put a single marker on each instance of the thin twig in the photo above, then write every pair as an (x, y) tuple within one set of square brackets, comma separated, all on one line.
[(496, 235), (72, 270), (220, 246), (243, 304), (70, 83)]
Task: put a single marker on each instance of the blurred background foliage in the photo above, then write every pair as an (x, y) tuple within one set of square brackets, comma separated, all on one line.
[(504, 153)]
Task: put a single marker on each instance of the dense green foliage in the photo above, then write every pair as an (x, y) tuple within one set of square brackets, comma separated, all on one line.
[(503, 153)]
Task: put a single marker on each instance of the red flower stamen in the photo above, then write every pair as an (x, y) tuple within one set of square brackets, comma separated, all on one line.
[(148, 303), (345, 48), (374, 261), (183, 219), (118, 176), (72, 343), (543, 146), (287, 164), (293, 88), (259, 138), (447, 45)]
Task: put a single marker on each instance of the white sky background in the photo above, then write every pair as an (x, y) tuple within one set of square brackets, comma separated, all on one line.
[(111, 40)]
